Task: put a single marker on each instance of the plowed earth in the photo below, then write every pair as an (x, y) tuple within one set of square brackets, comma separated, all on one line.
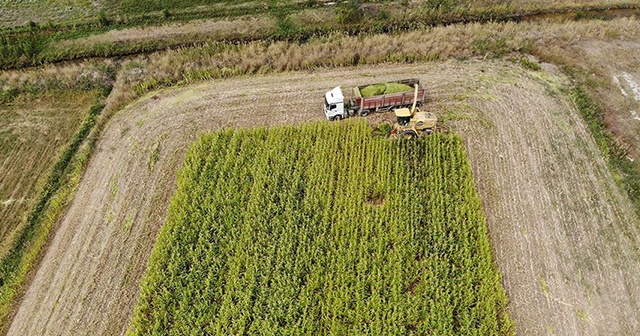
[(565, 238)]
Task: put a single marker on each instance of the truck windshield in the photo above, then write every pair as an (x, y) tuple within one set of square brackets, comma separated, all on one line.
[(326, 103)]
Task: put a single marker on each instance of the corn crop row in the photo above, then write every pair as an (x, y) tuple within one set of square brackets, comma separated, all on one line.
[(323, 229)]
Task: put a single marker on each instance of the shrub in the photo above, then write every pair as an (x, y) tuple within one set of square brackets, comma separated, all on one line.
[(350, 12), (102, 19)]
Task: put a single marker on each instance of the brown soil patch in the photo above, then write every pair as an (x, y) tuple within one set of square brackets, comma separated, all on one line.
[(375, 198), (564, 236)]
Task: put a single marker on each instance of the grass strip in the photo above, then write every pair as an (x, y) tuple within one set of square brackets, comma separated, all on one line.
[(60, 185), (625, 171)]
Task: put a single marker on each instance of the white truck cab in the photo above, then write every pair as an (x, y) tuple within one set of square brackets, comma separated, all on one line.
[(334, 104)]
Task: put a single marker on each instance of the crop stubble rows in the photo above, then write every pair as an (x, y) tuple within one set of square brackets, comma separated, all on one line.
[(618, 62), (565, 236), (90, 274)]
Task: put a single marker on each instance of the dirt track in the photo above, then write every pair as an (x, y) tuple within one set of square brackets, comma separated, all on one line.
[(564, 237)]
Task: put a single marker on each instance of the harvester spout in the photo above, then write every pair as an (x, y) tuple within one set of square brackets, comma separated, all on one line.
[(415, 99)]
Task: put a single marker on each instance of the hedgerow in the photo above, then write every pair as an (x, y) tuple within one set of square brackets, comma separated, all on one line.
[(323, 229)]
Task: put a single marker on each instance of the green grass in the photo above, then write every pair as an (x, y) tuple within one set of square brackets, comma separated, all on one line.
[(34, 129), (141, 7), (323, 229), (23, 12), (61, 12)]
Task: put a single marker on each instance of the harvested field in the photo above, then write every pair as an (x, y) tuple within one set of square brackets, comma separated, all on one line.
[(564, 236), (33, 132)]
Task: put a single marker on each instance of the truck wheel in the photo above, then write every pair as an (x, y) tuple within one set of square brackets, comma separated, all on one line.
[(365, 113), (336, 117), (409, 135), (427, 131)]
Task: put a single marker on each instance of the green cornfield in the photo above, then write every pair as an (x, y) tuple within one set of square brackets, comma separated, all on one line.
[(322, 229)]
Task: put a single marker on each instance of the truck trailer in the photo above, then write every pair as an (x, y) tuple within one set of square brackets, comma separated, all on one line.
[(336, 107)]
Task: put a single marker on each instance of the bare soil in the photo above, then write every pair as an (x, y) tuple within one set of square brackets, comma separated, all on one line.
[(565, 238)]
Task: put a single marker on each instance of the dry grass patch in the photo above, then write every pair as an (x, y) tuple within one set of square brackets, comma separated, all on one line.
[(175, 33), (71, 76), (33, 130), (282, 20)]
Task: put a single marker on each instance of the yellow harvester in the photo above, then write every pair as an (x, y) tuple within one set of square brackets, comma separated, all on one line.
[(412, 122)]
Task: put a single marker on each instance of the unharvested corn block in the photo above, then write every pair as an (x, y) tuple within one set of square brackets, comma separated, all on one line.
[(323, 229)]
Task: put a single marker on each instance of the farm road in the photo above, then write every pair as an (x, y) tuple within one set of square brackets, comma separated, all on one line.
[(564, 237)]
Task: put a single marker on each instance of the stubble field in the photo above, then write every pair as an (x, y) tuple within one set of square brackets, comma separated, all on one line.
[(617, 63)]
